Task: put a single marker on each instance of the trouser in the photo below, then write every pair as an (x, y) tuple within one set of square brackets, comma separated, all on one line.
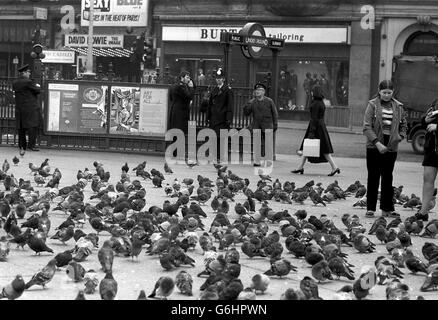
[(380, 166), (32, 133)]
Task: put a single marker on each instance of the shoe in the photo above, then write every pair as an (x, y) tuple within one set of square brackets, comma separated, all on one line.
[(22, 152), (337, 170), (422, 216), (34, 149), (390, 214), (257, 165), (300, 171), (369, 214)]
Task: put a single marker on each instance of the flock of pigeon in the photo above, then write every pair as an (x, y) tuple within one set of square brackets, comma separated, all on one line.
[(203, 220)]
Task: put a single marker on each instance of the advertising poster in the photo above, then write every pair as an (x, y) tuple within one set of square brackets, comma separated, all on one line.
[(92, 112), (77, 108), (124, 114), (153, 111), (115, 13)]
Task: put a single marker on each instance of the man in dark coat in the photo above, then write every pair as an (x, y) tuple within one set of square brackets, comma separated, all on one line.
[(219, 107), (181, 94), (264, 112), (28, 113)]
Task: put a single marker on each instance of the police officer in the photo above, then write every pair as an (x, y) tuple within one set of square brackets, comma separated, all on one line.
[(28, 114), (219, 107)]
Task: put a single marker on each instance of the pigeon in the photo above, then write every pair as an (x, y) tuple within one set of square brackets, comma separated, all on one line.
[(340, 268), (75, 271), (163, 288), (363, 244), (80, 295), (4, 248), (310, 289), (63, 258), (37, 244), (365, 282), (44, 276), (431, 281), (106, 256), (413, 263), (91, 282), (167, 169), (125, 168), (291, 294), (431, 229), (13, 290), (15, 160), (260, 282), (108, 287), (321, 271), (64, 234), (184, 283), (280, 268), (5, 166)]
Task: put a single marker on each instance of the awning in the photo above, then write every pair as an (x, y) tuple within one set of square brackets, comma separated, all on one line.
[(103, 52)]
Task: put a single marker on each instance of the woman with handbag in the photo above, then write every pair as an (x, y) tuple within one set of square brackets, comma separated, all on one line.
[(384, 126), (430, 161), (318, 130)]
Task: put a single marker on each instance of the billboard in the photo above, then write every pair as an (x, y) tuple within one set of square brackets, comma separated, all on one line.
[(105, 108), (115, 13), (76, 108)]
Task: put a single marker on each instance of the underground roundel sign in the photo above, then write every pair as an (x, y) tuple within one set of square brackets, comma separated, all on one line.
[(252, 29)]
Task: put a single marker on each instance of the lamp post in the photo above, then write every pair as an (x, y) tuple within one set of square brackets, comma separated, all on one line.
[(89, 75), (15, 62)]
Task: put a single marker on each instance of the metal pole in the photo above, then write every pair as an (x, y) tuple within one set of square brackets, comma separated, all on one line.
[(90, 39)]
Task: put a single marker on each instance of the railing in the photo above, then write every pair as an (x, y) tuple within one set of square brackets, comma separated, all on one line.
[(240, 97)]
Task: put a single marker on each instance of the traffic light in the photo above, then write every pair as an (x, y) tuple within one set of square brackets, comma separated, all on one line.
[(147, 57), (37, 54)]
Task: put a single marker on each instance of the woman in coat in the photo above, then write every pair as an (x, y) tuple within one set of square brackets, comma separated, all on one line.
[(384, 126), (430, 161), (181, 95), (317, 130)]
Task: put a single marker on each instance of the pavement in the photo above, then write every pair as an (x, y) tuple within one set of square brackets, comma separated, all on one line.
[(302, 125), (132, 275)]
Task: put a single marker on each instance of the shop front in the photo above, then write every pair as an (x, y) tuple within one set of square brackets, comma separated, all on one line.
[(311, 55)]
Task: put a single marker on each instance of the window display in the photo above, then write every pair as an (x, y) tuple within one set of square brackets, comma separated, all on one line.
[(297, 77)]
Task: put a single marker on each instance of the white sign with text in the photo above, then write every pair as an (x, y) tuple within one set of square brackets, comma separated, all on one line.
[(99, 40), (332, 34), (115, 13)]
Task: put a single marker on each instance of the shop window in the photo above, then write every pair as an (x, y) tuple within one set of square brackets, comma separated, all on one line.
[(298, 76), (201, 70), (422, 43)]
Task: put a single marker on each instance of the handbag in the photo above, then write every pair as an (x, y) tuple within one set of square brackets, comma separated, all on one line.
[(311, 147)]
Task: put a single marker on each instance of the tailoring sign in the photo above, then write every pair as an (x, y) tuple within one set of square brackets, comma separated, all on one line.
[(329, 34), (115, 13), (99, 40)]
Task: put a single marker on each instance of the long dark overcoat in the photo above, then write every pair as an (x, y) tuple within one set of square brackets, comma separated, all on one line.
[(179, 102), (219, 108), (28, 113)]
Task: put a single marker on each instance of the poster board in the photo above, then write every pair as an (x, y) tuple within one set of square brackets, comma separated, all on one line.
[(153, 111), (76, 108)]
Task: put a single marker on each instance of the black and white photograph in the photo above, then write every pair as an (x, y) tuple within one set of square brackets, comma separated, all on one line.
[(221, 150)]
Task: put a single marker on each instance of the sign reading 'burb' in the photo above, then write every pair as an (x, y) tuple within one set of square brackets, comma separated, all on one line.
[(332, 34), (99, 40), (115, 13)]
